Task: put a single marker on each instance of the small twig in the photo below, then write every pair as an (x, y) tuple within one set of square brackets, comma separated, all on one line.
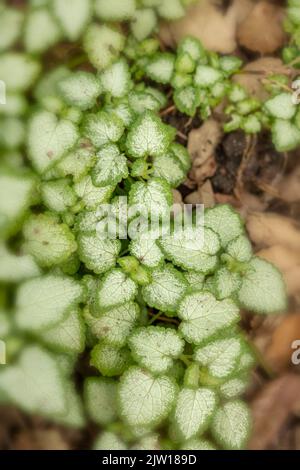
[(183, 136), (154, 318), (250, 144), (124, 252), (162, 318), (188, 123), (267, 188), (168, 110), (185, 359), (265, 366), (279, 85), (76, 61), (294, 62)]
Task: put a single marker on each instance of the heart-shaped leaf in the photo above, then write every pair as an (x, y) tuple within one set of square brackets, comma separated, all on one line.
[(100, 396), (49, 139), (220, 357), (44, 301), (231, 425), (68, 336), (103, 128), (98, 254), (203, 316), (80, 89), (15, 268), (263, 289), (166, 289), (35, 383), (109, 360), (151, 199), (111, 166), (73, 24), (148, 136), (155, 348), (41, 31), (194, 408), (192, 248), (115, 289), (145, 400), (49, 242), (103, 45), (114, 325)]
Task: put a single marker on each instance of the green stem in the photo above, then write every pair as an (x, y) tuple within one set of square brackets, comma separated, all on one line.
[(185, 359), (154, 318), (294, 62), (277, 84), (260, 359), (124, 252), (73, 63)]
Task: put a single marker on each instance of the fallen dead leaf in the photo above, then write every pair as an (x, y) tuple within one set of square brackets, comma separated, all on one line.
[(177, 197), (254, 72), (292, 280), (209, 23), (272, 408), (227, 199), (207, 194), (201, 172), (10, 419), (250, 203), (202, 143), (193, 198), (203, 195), (262, 329), (49, 439), (268, 229), (204, 140), (283, 257), (297, 438), (289, 188), (262, 30), (279, 351)]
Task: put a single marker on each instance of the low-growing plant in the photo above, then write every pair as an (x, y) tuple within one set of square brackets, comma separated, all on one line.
[(202, 80), (157, 314)]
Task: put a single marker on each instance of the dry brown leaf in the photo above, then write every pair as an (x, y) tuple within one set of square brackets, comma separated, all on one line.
[(279, 351), (284, 258), (262, 30), (253, 73), (207, 22), (207, 194), (200, 173), (262, 329), (193, 198), (203, 195), (268, 229), (177, 197), (202, 143), (49, 439), (227, 199), (289, 188), (272, 408), (201, 146), (10, 419), (251, 203), (204, 140), (292, 280)]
